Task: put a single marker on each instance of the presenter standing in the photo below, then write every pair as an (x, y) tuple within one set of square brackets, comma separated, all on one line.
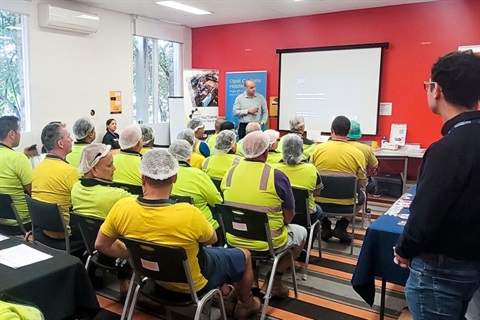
[(250, 106)]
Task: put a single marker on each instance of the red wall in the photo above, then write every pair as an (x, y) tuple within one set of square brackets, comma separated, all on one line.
[(418, 34)]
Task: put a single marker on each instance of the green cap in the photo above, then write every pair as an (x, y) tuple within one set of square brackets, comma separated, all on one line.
[(355, 132)]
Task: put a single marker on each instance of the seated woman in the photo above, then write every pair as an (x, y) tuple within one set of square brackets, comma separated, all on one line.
[(94, 194), (193, 182), (111, 137), (217, 165), (302, 175)]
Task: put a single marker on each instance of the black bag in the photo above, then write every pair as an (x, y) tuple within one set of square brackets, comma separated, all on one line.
[(372, 186)]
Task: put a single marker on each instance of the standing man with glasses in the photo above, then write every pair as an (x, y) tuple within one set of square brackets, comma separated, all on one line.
[(250, 106), (441, 240)]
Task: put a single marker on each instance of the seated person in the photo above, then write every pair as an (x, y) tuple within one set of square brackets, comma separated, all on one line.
[(148, 137), (213, 138), (196, 159), (95, 194), (127, 162), (297, 126), (274, 155), (111, 137), (157, 219), (195, 183), (200, 147), (227, 125), (302, 175), (217, 165), (53, 178), (84, 132), (266, 190), (251, 127), (15, 172)]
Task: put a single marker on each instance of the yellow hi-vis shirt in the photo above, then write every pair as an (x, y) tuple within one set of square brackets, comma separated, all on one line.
[(127, 168), (217, 165)]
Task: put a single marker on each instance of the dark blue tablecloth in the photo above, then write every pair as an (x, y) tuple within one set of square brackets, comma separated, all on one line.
[(376, 257)]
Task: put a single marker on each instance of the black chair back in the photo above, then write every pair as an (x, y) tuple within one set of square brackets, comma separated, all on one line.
[(301, 200), (9, 212), (185, 199), (89, 227), (46, 216), (339, 187), (218, 183), (245, 223), (133, 189)]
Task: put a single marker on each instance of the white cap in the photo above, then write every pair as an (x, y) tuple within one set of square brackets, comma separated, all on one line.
[(272, 135), (254, 144), (130, 136), (181, 150), (158, 164), (226, 139), (91, 155)]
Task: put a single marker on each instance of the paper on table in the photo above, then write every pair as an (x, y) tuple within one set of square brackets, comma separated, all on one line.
[(21, 255), (2, 237)]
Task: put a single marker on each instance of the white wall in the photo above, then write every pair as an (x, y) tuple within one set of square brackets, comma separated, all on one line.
[(72, 74)]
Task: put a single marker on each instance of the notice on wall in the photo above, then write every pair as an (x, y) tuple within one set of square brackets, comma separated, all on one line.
[(115, 102), (273, 107), (385, 109)]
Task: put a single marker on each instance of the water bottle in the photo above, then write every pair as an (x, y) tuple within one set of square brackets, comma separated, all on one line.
[(384, 140)]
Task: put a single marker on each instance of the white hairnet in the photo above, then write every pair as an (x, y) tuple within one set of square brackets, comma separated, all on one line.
[(252, 126), (187, 135), (147, 133), (195, 124), (158, 164), (130, 136), (272, 135), (82, 127), (292, 149), (181, 150), (225, 141), (254, 144), (91, 155), (296, 122)]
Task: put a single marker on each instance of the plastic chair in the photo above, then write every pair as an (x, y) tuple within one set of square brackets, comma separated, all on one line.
[(49, 216), (150, 264), (302, 206), (253, 225), (344, 188), (218, 183), (9, 212), (133, 189), (185, 199)]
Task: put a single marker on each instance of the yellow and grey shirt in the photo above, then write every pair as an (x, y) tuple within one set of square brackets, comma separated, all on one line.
[(127, 168), (217, 165)]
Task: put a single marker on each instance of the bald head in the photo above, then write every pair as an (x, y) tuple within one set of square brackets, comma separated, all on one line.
[(252, 126), (250, 87)]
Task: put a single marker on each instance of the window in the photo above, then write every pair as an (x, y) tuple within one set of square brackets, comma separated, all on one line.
[(14, 97), (155, 78)]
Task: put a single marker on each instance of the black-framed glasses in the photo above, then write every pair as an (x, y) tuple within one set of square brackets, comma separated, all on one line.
[(428, 84)]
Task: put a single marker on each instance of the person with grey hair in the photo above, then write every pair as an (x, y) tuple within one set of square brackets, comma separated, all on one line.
[(196, 159), (251, 127), (302, 175), (15, 174), (148, 137), (297, 126), (198, 127), (155, 218), (218, 164), (53, 178), (84, 133), (195, 183), (127, 162), (266, 190), (249, 106)]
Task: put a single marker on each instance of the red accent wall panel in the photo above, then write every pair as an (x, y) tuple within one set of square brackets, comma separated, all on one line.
[(418, 34)]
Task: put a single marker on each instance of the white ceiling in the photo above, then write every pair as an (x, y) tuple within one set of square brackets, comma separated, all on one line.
[(231, 11)]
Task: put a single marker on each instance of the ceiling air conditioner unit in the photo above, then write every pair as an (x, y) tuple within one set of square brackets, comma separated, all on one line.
[(67, 20)]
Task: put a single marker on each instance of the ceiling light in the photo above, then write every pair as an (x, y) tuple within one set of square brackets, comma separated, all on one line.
[(183, 7)]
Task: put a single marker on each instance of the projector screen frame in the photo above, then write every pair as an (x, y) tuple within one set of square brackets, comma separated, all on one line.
[(381, 45)]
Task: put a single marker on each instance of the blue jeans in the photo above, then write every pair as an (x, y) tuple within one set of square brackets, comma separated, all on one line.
[(440, 287)]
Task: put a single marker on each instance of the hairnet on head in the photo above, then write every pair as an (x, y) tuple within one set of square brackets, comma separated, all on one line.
[(130, 136), (272, 135), (195, 124), (225, 141), (254, 144), (187, 135), (91, 155), (158, 164), (292, 149), (181, 150), (82, 127), (296, 122), (147, 133)]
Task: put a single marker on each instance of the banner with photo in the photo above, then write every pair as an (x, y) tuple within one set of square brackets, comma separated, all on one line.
[(201, 96), (234, 87)]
